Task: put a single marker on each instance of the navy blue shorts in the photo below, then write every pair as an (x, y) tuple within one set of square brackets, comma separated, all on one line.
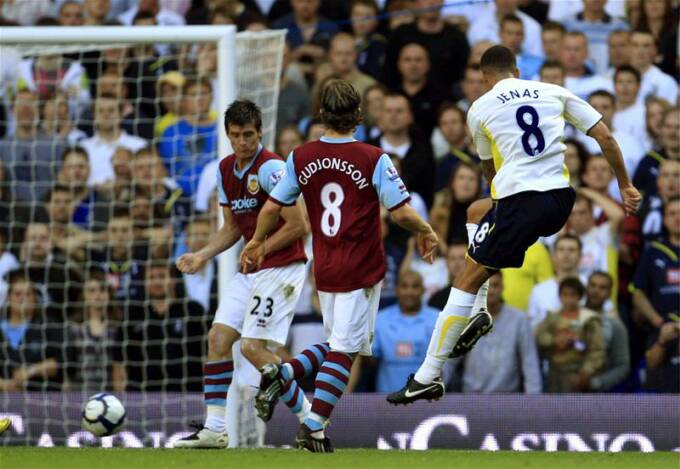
[(514, 223)]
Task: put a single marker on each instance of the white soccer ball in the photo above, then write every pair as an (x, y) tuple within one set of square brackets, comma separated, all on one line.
[(103, 415)]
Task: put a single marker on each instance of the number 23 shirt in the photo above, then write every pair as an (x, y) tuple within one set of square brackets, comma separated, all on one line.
[(520, 125)]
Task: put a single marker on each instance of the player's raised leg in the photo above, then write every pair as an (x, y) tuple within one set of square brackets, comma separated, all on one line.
[(218, 372)]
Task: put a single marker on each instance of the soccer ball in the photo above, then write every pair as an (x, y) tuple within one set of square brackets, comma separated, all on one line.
[(103, 415)]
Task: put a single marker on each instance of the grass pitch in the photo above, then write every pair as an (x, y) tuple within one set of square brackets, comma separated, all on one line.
[(91, 458)]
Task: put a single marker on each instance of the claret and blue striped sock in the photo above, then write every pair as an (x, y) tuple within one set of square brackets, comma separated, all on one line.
[(305, 363), (216, 381), (331, 382), (295, 399)]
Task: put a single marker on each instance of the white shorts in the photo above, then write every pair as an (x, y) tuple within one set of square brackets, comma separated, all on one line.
[(349, 318), (260, 305)]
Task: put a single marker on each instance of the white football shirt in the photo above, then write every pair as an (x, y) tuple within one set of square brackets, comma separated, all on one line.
[(520, 124)]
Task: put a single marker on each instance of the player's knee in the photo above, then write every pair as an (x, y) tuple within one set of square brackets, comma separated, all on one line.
[(251, 349), (219, 342), (478, 209)]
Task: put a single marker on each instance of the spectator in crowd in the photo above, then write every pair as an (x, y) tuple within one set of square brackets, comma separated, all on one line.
[(581, 79), (370, 44), (473, 86), (599, 243), (519, 282), (134, 119), (91, 337), (424, 95), (435, 274), (96, 11), (416, 157), (308, 33), (122, 258), (30, 346), (617, 365), (512, 36), (478, 50), (202, 286), (663, 360), (169, 94), (597, 25), (168, 330), (656, 279), (575, 157), (402, 333), (342, 57), (399, 12), (446, 45), (655, 108), (487, 26), (8, 262), (449, 211), (56, 120), (187, 146), (455, 261), (372, 102), (451, 123), (630, 112), (660, 18), (68, 240), (293, 96), (506, 359), (164, 16), (552, 34), (618, 48), (107, 137), (648, 168), (545, 296), (572, 341), (30, 158), (56, 282), (394, 258), (552, 72), (71, 13), (654, 82), (652, 208), (287, 140)]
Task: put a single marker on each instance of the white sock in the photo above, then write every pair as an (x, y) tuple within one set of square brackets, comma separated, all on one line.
[(480, 299), (450, 324), (306, 409), (215, 419)]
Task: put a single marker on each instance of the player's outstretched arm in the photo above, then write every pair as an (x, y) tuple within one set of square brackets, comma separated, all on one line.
[(426, 239), (611, 151), (192, 262), (254, 251)]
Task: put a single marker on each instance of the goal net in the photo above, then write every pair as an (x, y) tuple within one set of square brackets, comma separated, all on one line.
[(109, 142)]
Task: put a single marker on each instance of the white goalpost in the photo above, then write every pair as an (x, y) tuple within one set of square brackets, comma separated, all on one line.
[(246, 65)]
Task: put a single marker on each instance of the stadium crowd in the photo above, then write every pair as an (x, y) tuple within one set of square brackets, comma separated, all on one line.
[(108, 160)]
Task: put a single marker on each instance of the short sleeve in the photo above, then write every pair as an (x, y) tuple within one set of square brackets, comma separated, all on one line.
[(220, 188), (579, 113), (270, 174), (479, 136), (287, 190), (388, 184)]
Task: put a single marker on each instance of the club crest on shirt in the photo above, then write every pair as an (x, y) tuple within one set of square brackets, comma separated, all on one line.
[(253, 184)]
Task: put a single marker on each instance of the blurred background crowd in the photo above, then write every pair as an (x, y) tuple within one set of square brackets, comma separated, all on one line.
[(107, 171)]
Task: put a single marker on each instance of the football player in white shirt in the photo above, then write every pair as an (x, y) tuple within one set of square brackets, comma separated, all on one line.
[(517, 127)]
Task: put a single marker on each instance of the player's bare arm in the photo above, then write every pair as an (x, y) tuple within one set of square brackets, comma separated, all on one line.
[(269, 215), (295, 227), (426, 239), (489, 170), (226, 237), (610, 149)]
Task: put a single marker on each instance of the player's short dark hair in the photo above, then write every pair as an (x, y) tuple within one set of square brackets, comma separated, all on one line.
[(76, 149), (511, 18), (568, 237), (602, 273), (573, 284), (498, 59), (449, 106), (242, 112), (553, 26), (603, 94), (625, 68), (340, 105)]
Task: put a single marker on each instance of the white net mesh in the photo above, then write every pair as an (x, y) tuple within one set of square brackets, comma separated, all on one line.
[(108, 174)]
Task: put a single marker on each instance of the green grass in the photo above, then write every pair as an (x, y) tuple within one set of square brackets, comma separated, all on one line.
[(75, 458)]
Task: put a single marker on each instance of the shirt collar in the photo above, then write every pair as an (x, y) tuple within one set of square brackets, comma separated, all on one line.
[(337, 140)]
